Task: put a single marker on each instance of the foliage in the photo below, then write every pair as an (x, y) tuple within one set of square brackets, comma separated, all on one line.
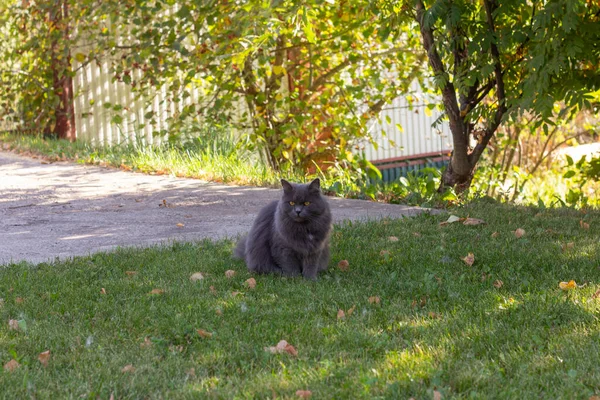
[(439, 325), (492, 61), (525, 163), (302, 79)]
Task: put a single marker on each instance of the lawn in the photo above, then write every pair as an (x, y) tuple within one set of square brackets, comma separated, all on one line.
[(419, 322)]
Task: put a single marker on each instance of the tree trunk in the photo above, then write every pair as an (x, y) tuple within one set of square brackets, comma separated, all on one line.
[(64, 127)]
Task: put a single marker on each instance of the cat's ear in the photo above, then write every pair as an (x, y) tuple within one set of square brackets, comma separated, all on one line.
[(287, 187), (315, 186)]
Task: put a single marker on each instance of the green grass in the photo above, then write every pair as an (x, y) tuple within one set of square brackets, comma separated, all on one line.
[(206, 160), (441, 325)]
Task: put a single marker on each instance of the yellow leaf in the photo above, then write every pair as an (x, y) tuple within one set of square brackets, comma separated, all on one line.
[(567, 285), (278, 70), (180, 225)]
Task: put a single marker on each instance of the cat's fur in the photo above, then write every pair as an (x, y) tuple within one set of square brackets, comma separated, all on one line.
[(290, 239)]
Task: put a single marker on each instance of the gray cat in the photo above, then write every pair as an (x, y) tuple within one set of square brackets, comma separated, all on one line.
[(290, 236)]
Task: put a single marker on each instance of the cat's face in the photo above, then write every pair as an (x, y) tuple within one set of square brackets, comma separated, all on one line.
[(302, 202)]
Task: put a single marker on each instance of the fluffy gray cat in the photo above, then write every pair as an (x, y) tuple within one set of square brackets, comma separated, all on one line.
[(290, 236)]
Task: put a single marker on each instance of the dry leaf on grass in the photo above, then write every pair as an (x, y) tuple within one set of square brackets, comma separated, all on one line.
[(519, 233), (498, 284), (282, 347), (233, 294), (452, 219), (341, 314), (350, 310), (157, 291), (393, 239), (147, 342), (584, 225), (128, 368), (567, 285), (596, 295), (384, 253), (303, 394), (203, 333), (13, 324), (473, 221), (131, 273), (417, 234), (197, 276), (212, 290), (229, 273), (469, 259), (568, 246), (344, 265), (495, 235), (44, 357), (251, 283), (11, 365), (374, 299), (102, 291), (19, 300)]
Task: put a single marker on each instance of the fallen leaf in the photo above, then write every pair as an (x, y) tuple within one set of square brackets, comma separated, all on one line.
[(19, 300), (251, 283), (437, 395), (282, 347), (212, 290), (229, 273), (567, 285), (469, 259), (495, 235), (568, 246), (13, 324), (350, 310), (147, 342), (44, 357), (393, 239), (433, 315), (180, 225), (197, 276), (102, 291), (341, 314), (384, 253), (203, 333), (344, 265), (303, 394), (128, 368), (473, 221), (131, 273), (584, 225), (374, 300), (157, 291), (596, 295), (416, 234), (233, 294), (452, 219), (519, 233), (11, 365), (498, 283)]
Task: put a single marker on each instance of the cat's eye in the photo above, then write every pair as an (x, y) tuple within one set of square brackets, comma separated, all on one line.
[(306, 203), (292, 203)]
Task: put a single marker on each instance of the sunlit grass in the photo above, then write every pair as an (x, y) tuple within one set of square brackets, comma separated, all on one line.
[(440, 325)]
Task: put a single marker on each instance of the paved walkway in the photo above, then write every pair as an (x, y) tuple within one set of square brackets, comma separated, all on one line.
[(64, 209)]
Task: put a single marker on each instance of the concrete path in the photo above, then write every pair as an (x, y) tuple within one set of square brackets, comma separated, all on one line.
[(64, 209)]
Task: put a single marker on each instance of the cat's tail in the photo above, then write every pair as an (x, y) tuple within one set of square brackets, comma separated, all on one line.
[(240, 248)]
